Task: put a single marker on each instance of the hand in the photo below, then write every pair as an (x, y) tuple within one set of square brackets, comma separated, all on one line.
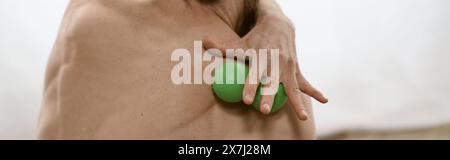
[(274, 32)]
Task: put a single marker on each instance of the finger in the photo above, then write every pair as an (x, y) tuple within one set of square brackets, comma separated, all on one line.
[(307, 88), (294, 96), (270, 83), (267, 99), (251, 85), (256, 71), (293, 93)]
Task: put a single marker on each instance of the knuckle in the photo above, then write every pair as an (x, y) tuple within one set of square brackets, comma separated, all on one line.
[(291, 61), (293, 90), (305, 85), (284, 58)]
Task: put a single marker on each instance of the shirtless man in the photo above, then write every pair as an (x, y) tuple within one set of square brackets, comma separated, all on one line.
[(108, 76)]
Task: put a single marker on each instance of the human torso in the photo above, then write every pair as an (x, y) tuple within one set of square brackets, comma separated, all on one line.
[(109, 77)]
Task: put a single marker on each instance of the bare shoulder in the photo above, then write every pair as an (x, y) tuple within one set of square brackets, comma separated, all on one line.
[(85, 22), (84, 18)]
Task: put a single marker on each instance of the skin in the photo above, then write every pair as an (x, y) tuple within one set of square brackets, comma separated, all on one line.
[(273, 30), (108, 76)]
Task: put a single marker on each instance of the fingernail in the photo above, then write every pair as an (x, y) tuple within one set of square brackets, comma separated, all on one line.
[(265, 108), (249, 99), (304, 116)]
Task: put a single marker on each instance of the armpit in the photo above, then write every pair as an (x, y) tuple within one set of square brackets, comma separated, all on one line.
[(209, 1), (249, 17)]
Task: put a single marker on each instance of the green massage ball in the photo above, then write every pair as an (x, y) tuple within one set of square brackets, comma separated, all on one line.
[(227, 87), (279, 101), (230, 88)]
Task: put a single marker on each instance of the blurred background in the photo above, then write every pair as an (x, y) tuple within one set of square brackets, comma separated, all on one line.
[(384, 65)]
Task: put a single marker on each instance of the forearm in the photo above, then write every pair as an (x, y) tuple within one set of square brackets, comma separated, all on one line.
[(257, 12), (269, 9)]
